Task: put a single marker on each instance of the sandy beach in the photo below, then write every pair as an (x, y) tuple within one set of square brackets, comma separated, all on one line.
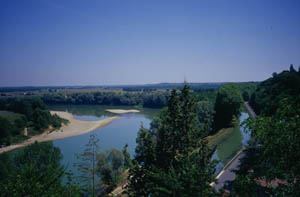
[(73, 128), (122, 111)]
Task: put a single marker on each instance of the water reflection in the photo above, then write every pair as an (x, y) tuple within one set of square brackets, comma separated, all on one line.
[(116, 134), (238, 138)]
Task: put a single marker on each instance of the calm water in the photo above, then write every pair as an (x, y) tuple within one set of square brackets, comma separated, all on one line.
[(238, 138), (124, 130), (116, 134)]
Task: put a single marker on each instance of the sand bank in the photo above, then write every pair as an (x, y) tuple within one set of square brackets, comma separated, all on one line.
[(73, 128), (122, 111)]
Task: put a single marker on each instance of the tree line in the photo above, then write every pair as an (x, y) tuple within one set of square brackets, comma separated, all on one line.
[(271, 166), (157, 99), (266, 99), (31, 114)]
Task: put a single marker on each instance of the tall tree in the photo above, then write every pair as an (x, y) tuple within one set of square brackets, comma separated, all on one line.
[(87, 164), (109, 168), (126, 155), (272, 164), (173, 160), (35, 171), (228, 104), (205, 114)]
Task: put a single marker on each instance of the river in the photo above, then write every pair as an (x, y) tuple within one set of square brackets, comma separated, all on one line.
[(114, 135), (238, 138), (124, 130)]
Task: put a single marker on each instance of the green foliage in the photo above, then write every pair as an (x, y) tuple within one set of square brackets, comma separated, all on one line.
[(151, 99), (205, 113), (171, 158), (6, 165), (109, 166), (247, 89), (228, 104), (87, 164), (275, 153), (30, 113), (270, 92), (34, 171), (155, 99), (5, 130), (40, 119), (11, 130), (126, 155)]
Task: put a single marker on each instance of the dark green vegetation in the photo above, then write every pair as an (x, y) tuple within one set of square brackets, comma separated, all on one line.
[(228, 105), (150, 99), (156, 99), (87, 165), (28, 113), (110, 168), (100, 172), (148, 87), (34, 171), (172, 159), (12, 127), (152, 96), (270, 92), (271, 166), (247, 89)]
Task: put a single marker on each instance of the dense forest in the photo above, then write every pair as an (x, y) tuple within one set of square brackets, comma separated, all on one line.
[(18, 114), (150, 99), (155, 99), (271, 166), (269, 93)]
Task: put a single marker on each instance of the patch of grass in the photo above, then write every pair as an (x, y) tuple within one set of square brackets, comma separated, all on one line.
[(222, 134), (218, 137), (233, 143)]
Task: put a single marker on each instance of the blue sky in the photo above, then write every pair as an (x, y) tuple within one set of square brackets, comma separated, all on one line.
[(109, 42)]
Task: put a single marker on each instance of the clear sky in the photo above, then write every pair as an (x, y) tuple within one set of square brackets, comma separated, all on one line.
[(110, 42)]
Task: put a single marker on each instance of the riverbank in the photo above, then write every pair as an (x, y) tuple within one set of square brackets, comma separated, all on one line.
[(73, 128), (222, 134), (122, 111)]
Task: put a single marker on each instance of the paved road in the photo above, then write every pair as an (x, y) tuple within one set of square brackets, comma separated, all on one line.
[(252, 113), (227, 175)]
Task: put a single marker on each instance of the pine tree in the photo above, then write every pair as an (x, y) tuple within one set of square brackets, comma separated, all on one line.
[(126, 155), (174, 160), (88, 163)]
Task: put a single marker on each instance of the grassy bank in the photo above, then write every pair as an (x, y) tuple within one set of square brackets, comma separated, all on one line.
[(222, 134), (228, 141)]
